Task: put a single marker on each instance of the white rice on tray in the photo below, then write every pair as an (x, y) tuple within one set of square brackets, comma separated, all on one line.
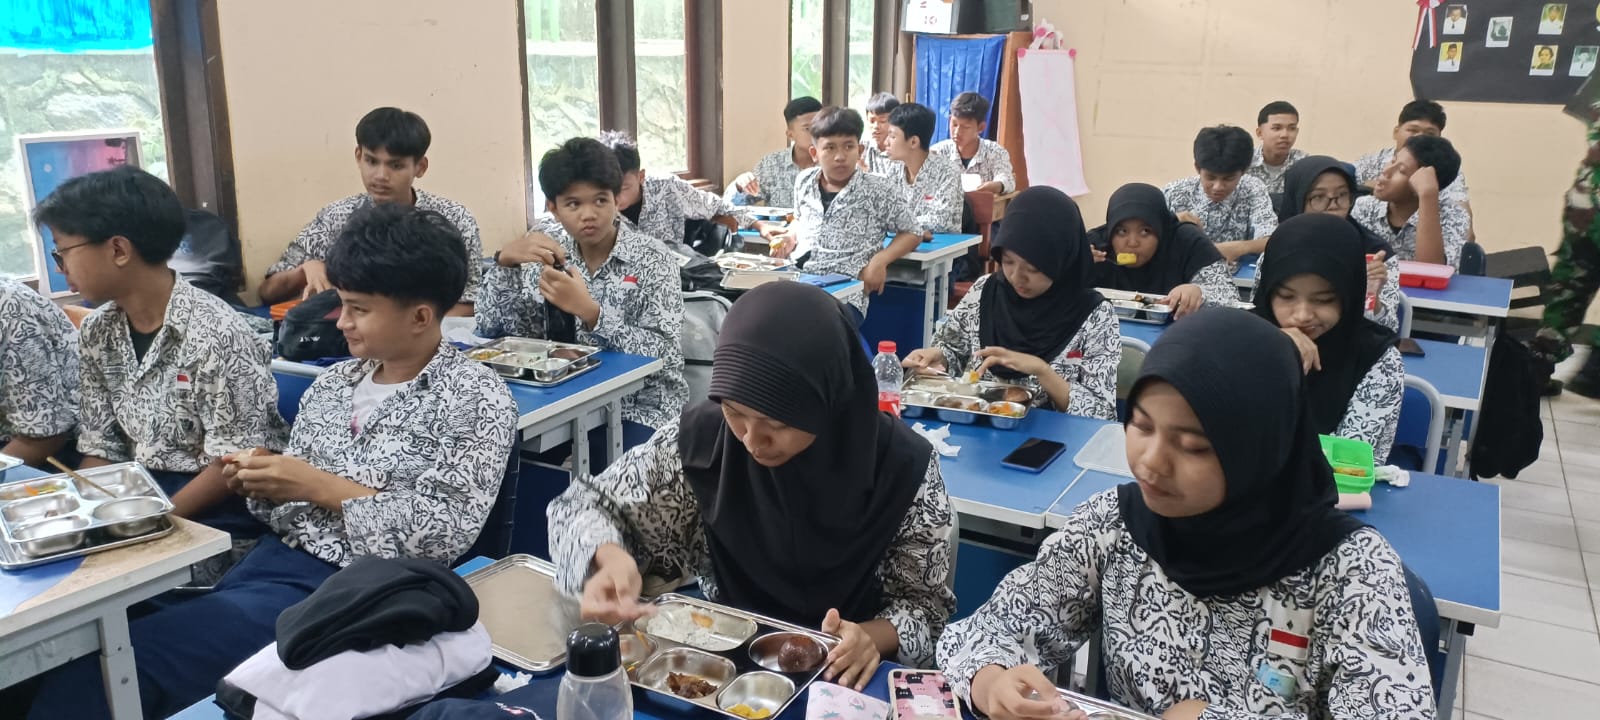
[(676, 623)]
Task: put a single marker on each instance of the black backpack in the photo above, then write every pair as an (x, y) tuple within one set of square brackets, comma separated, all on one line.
[(209, 257), (1509, 431), (310, 330)]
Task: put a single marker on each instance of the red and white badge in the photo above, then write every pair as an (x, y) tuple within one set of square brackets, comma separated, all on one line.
[(182, 382), (629, 282), (1288, 645)]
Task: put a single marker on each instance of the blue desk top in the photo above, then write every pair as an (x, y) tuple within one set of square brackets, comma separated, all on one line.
[(981, 486), (1456, 371), (1446, 529), (612, 366), (20, 586), (1467, 294)]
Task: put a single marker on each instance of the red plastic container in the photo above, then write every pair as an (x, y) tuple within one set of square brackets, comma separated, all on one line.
[(1425, 275)]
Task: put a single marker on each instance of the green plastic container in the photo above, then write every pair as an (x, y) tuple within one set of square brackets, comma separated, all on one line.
[(1353, 466)]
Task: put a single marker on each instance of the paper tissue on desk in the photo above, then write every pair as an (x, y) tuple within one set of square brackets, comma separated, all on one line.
[(936, 437)]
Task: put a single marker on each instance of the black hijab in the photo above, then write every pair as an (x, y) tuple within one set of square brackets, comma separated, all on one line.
[(1277, 515), (1325, 246), (798, 540), (1183, 249), (1297, 182), (1044, 227)]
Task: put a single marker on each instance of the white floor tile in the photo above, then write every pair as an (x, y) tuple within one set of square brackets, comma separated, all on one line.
[(1580, 459), (1542, 647), (1545, 472), (1513, 693), (1547, 602), (1538, 527), (1585, 505), (1591, 564), (1589, 538), (1520, 495), (1542, 562)]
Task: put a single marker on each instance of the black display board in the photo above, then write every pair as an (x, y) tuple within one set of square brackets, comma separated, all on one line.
[(1511, 51)]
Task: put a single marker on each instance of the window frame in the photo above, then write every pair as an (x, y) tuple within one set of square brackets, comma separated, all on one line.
[(836, 49)]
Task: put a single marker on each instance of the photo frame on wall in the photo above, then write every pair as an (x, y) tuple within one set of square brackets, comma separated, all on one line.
[(1507, 51), (50, 159)]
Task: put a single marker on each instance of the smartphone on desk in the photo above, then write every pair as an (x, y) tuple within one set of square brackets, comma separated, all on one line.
[(1033, 455), (1408, 346), (922, 695)]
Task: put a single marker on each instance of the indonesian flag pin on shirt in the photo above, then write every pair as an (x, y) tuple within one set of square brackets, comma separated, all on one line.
[(182, 382), (1286, 644), (629, 282)]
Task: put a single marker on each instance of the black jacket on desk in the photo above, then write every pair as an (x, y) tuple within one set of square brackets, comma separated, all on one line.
[(371, 603)]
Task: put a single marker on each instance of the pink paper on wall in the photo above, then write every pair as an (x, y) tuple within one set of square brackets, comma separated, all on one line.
[(1050, 120)]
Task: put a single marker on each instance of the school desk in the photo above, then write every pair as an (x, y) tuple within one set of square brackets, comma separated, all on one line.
[(929, 266), (57, 612), (1480, 300), (567, 412)]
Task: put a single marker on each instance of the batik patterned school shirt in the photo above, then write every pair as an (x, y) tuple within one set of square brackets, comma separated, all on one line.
[(204, 389), (1247, 214), (641, 313), (316, 239), (1271, 176), (643, 504), (1373, 214), (992, 163), (1362, 656), (38, 365), (877, 161), (1371, 165), (775, 172), (669, 201), (843, 238), (1374, 412), (935, 196), (436, 451), (1089, 361)]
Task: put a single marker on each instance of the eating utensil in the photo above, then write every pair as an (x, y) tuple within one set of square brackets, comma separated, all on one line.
[(75, 476)]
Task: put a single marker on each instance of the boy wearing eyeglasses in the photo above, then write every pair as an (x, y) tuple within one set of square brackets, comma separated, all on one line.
[(172, 378)]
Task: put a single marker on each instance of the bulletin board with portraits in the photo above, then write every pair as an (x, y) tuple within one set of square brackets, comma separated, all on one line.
[(1511, 51)]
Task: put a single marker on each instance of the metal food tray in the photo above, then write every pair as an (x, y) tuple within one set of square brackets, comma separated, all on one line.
[(532, 363), (526, 616), (6, 463), (1138, 307), (1101, 709), (763, 212), (78, 523), (732, 261), (920, 396), (739, 676)]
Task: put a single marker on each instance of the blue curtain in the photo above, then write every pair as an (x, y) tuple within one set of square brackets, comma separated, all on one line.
[(947, 67), (75, 25)]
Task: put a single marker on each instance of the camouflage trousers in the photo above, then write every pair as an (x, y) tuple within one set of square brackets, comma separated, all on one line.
[(1573, 282)]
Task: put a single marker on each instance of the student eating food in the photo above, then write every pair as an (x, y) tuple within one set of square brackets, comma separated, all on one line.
[(1039, 321), (1222, 583), (787, 493), (1144, 248), (1321, 184)]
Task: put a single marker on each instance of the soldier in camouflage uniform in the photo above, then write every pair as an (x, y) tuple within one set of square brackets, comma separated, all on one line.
[(1576, 275)]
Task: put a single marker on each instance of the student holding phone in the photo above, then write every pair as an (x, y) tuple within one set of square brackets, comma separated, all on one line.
[(1222, 582), (787, 493)]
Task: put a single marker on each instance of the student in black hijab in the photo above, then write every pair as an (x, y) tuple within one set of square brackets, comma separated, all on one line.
[(787, 493), (1222, 581), (1314, 289), (1143, 248), (1038, 321), (1325, 185)]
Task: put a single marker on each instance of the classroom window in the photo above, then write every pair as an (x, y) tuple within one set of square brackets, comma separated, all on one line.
[(65, 68), (806, 28), (563, 72), (661, 84), (859, 69)]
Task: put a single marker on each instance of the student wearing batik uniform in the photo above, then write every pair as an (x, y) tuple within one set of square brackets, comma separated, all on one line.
[(38, 375), (1164, 256), (392, 154), (1278, 127), (173, 378), (659, 205), (1038, 322), (1418, 117), (932, 182), (787, 493), (1314, 289), (843, 214), (398, 453), (1234, 209), (1222, 584), (1407, 210), (875, 155), (1321, 184), (611, 286), (969, 119), (772, 182)]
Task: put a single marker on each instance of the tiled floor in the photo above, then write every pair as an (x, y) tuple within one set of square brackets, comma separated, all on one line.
[(1544, 659)]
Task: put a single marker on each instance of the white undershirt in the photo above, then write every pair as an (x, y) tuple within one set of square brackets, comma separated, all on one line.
[(367, 397)]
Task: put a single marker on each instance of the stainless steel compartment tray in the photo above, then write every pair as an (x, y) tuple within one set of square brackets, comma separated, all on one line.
[(127, 480), (1101, 709), (519, 360), (1137, 307), (982, 391), (527, 618), (750, 261)]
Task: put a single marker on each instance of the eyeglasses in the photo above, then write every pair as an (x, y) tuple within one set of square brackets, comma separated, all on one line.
[(58, 253), (1319, 203)]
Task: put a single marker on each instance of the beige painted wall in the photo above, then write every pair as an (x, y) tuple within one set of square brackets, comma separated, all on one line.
[(755, 81), (300, 73), (1152, 72)]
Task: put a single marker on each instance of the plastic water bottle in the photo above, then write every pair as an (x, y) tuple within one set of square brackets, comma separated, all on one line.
[(886, 367), (595, 686)]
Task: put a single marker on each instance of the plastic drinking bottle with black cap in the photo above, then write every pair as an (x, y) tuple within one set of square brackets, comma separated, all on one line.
[(595, 686)]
